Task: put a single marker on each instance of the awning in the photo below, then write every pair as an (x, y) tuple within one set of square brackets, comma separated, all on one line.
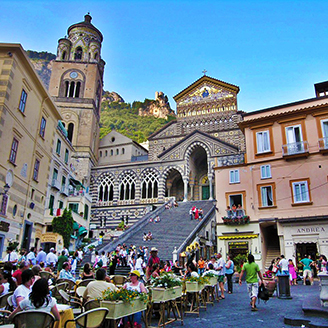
[(305, 239), (239, 236), (75, 225), (82, 232), (76, 183)]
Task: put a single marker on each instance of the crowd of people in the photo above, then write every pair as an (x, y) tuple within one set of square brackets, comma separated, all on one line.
[(196, 213)]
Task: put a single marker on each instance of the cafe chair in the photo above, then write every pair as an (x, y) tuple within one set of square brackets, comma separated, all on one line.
[(46, 275), (33, 318), (90, 319), (80, 291), (55, 290), (70, 284), (92, 304), (72, 301), (85, 282)]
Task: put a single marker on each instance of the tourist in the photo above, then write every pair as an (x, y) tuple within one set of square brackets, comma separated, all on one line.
[(191, 214), (210, 269), (152, 260), (87, 273), (139, 287), (191, 271), (51, 257), (7, 283), (98, 263), (139, 265), (41, 257), (22, 255), (36, 271), (283, 265), (61, 260), (157, 219), (39, 299), (156, 271), (95, 288), (11, 256), (79, 255), (229, 271), (201, 266), (252, 271), (307, 272), (176, 268), (31, 257), (18, 273), (65, 272), (149, 236), (322, 264), (221, 274), (167, 266), (73, 264), (22, 291), (292, 272)]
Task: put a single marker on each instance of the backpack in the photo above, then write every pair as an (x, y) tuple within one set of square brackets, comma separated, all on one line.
[(263, 294), (100, 263)]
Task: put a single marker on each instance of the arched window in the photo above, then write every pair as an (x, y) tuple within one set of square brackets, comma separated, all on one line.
[(64, 55), (66, 88), (127, 186), (149, 185), (100, 153), (77, 90), (98, 96), (106, 153), (78, 53), (71, 90), (111, 152), (123, 151), (70, 132), (96, 56), (106, 189)]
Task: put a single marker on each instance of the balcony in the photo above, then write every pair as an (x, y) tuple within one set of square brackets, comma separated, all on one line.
[(323, 145), (296, 149), (237, 220), (64, 190), (55, 184)]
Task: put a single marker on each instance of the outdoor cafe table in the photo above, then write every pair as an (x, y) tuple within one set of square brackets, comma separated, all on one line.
[(66, 313)]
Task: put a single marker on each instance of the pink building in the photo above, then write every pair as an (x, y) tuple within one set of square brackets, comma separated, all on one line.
[(282, 187)]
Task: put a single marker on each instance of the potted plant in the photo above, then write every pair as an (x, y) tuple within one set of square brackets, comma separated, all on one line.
[(212, 278), (166, 287), (123, 302), (196, 284), (269, 282), (121, 226), (239, 260)]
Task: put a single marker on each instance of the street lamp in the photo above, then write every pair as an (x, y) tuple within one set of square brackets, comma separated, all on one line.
[(6, 189), (4, 202)]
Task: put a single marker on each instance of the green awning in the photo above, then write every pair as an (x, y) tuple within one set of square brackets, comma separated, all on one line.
[(82, 232), (75, 225), (76, 183)]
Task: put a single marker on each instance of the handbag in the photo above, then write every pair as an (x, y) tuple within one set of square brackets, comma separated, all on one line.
[(263, 293)]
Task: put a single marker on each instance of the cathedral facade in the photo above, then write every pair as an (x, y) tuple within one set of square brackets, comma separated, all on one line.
[(180, 161)]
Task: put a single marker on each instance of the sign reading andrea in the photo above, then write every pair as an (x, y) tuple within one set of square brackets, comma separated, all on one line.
[(310, 229)]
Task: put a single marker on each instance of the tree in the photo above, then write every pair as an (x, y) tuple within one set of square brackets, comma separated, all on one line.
[(64, 226)]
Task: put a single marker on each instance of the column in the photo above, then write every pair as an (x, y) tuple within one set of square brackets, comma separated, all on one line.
[(210, 179), (185, 184)]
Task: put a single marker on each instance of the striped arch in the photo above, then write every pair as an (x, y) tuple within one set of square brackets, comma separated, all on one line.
[(194, 145), (167, 171)]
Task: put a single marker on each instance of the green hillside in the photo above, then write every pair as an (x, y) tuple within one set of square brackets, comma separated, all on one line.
[(123, 117)]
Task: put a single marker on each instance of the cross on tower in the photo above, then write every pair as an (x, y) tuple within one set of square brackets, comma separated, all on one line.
[(204, 72)]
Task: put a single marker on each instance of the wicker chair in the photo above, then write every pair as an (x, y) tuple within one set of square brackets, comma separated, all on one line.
[(74, 302), (92, 304), (55, 290), (118, 280), (70, 284), (80, 291), (46, 275), (30, 318), (90, 319), (85, 282)]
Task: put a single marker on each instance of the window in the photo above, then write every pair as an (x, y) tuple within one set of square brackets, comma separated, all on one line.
[(78, 53), (13, 151), (106, 153), (263, 141), (266, 196), (301, 192), (106, 189), (63, 182), (265, 171), (55, 174), (100, 153), (294, 139), (43, 127), (86, 212), (117, 151), (127, 186), (324, 128), (70, 131), (66, 155), (36, 169), (234, 176), (58, 146), (111, 152), (123, 151), (74, 207), (149, 185), (22, 102), (60, 204), (51, 201)]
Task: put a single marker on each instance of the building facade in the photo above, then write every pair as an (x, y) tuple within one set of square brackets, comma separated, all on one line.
[(282, 185), (28, 120), (180, 159)]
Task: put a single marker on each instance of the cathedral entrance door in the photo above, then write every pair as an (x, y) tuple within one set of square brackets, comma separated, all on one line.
[(205, 192)]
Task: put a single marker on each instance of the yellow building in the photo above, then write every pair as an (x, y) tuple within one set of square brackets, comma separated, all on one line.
[(28, 121)]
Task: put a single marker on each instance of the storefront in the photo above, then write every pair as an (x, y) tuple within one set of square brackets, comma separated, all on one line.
[(51, 239), (300, 238)]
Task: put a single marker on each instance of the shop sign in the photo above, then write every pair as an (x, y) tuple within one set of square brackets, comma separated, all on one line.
[(238, 244), (49, 237), (4, 226), (310, 230)]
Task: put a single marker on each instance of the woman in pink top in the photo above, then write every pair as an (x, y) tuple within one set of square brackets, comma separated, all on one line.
[(292, 272)]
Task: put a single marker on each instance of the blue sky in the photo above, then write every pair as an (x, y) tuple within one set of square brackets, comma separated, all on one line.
[(273, 50)]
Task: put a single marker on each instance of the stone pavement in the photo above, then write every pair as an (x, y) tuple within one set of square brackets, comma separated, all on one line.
[(235, 311)]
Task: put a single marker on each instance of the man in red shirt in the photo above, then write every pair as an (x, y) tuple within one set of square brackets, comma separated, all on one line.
[(18, 273)]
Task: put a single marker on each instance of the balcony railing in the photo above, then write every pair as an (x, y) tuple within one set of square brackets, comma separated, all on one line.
[(295, 148), (55, 184), (323, 143), (80, 193), (64, 190), (237, 220)]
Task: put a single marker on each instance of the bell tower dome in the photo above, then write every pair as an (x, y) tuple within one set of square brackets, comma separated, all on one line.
[(76, 86)]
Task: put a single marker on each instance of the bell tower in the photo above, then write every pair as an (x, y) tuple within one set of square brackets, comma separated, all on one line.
[(76, 86)]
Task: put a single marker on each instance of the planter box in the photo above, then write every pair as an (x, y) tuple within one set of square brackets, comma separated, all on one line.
[(212, 281), (166, 294), (120, 309), (192, 287)]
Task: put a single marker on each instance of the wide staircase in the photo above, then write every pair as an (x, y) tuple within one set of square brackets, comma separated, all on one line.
[(272, 253), (174, 229)]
